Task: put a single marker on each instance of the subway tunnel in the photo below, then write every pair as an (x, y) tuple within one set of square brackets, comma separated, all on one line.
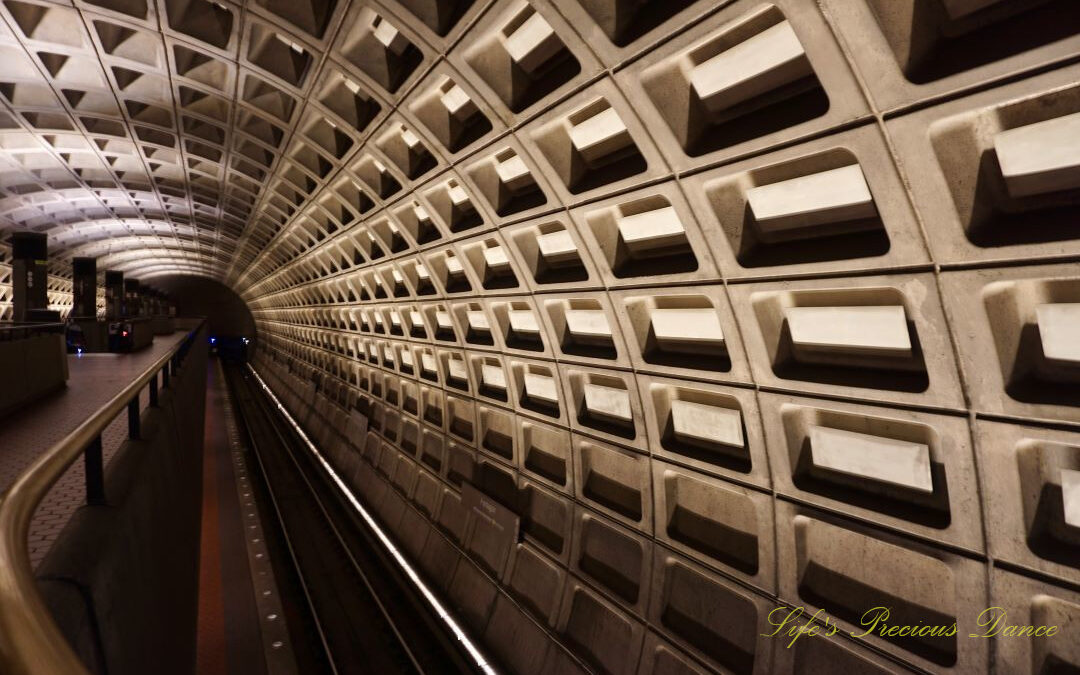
[(540, 336)]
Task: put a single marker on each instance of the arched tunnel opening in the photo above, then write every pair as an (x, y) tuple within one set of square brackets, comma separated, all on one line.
[(230, 326), (226, 312)]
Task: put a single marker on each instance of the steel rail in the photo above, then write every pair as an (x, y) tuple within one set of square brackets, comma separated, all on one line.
[(30, 641), (263, 405), (450, 623)]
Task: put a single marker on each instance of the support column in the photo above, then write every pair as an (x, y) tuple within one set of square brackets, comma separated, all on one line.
[(30, 269), (132, 298), (84, 288), (114, 296)]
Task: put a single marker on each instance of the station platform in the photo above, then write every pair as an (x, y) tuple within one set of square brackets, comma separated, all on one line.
[(93, 380), (215, 548)]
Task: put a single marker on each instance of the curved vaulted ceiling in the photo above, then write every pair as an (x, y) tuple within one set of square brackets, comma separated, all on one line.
[(146, 135), (660, 276)]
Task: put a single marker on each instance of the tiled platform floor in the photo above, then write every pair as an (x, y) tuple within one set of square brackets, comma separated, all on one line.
[(25, 434)]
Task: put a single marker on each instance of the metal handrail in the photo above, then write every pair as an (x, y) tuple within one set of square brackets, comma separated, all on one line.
[(18, 330), (30, 641)]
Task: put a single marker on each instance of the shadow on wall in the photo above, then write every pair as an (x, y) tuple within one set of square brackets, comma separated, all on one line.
[(226, 312)]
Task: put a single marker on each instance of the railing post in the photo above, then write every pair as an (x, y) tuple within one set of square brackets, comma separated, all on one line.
[(165, 377), (153, 390), (134, 421), (95, 473)]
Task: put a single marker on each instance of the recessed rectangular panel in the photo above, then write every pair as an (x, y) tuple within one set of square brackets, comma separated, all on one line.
[(1059, 330), (873, 330), (388, 34), (1070, 495), (608, 403), (700, 424), (410, 138), (456, 101), (427, 362), (557, 247), (600, 135), (541, 387), (458, 196), (834, 196), (882, 459), (656, 229), (772, 58), (478, 320), (513, 172), (523, 321), (846, 572), (686, 329), (1042, 157), (496, 259), (587, 323), (457, 370), (493, 376), (533, 42)]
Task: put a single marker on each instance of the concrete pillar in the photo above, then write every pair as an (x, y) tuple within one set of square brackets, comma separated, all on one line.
[(114, 296), (30, 273), (84, 288), (132, 298)]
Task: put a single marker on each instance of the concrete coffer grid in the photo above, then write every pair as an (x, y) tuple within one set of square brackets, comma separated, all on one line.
[(733, 304)]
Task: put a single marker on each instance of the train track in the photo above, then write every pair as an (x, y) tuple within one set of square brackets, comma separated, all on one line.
[(361, 614)]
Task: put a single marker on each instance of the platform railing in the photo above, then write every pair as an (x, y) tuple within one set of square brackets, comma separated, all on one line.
[(30, 641), (19, 330)]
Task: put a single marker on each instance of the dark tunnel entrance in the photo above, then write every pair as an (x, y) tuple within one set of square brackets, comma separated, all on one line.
[(230, 324)]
